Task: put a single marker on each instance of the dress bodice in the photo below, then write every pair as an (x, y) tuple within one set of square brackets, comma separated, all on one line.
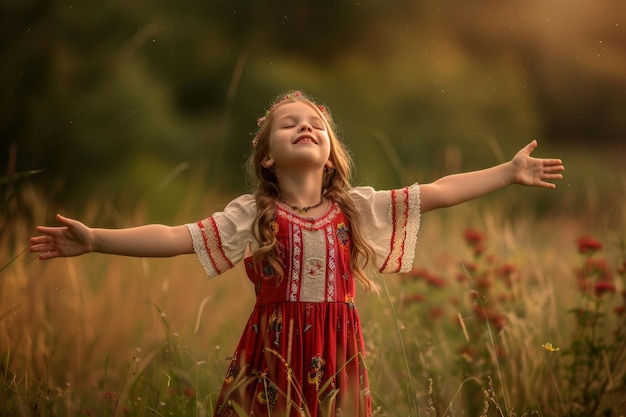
[(315, 254)]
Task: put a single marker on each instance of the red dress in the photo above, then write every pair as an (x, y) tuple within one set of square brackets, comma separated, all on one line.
[(302, 349)]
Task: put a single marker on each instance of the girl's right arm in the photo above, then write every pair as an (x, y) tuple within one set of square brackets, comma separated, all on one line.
[(73, 238)]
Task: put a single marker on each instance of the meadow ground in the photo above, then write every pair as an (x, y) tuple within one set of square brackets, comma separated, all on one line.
[(507, 312)]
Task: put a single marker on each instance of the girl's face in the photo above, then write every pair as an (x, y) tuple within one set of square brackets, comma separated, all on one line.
[(298, 138)]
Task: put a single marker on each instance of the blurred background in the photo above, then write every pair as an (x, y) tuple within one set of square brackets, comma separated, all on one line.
[(121, 113), (136, 100)]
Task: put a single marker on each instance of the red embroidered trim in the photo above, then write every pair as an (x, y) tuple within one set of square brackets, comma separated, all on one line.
[(399, 218), (213, 246)]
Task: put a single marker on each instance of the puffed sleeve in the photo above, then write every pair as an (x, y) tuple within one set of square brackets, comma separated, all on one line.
[(220, 240), (389, 221)]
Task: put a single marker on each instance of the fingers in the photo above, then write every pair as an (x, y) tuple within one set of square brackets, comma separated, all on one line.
[(48, 251), (545, 184), (547, 176), (46, 244), (48, 255), (554, 163), (552, 169), (66, 221), (550, 173), (50, 231), (531, 147), (550, 164)]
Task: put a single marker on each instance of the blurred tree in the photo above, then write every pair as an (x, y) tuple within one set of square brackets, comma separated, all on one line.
[(96, 93)]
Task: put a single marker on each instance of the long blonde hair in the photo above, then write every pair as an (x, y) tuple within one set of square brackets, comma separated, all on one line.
[(336, 186)]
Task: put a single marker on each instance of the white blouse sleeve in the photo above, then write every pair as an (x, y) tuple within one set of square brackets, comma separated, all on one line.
[(389, 222), (220, 240)]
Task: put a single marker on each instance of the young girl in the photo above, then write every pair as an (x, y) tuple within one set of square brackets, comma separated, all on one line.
[(305, 236)]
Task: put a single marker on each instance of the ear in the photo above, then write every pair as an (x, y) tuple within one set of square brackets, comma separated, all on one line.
[(268, 162), (329, 165)]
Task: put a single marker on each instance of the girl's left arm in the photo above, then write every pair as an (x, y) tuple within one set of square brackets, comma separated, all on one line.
[(522, 169)]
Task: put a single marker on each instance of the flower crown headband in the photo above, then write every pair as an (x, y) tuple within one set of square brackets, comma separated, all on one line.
[(294, 96)]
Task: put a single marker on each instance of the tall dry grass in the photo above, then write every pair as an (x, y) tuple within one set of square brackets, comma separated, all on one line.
[(461, 335)]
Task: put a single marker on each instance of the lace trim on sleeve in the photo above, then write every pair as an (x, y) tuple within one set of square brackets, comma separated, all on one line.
[(405, 215), (208, 247)]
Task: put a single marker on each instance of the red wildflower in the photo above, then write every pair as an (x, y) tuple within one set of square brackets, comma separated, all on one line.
[(461, 277), (473, 237), (587, 245), (496, 320), (597, 267), (602, 287), (436, 281), (415, 298), (471, 267), (189, 392), (430, 278), (619, 310), (109, 396), (505, 270), (418, 272), (483, 282), (435, 313)]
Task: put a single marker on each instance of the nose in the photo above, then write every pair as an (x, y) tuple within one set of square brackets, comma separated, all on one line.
[(305, 127)]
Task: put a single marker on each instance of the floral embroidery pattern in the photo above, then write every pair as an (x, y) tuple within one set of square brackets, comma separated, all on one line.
[(350, 301), (268, 395), (274, 227), (268, 272), (316, 372), (343, 235), (233, 370), (314, 268), (276, 324)]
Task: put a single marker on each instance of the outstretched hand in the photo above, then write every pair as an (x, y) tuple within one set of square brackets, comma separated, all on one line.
[(535, 171), (71, 239)]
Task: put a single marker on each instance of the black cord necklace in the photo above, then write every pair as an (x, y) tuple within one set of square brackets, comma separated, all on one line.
[(302, 210)]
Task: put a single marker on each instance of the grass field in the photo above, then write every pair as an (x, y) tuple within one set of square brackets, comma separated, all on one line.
[(506, 313)]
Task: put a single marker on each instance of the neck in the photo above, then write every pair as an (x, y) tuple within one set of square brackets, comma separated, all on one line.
[(299, 189)]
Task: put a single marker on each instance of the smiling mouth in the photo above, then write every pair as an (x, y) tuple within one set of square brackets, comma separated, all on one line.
[(305, 139)]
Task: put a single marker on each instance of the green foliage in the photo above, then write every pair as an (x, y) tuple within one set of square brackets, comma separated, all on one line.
[(595, 358), (92, 91)]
